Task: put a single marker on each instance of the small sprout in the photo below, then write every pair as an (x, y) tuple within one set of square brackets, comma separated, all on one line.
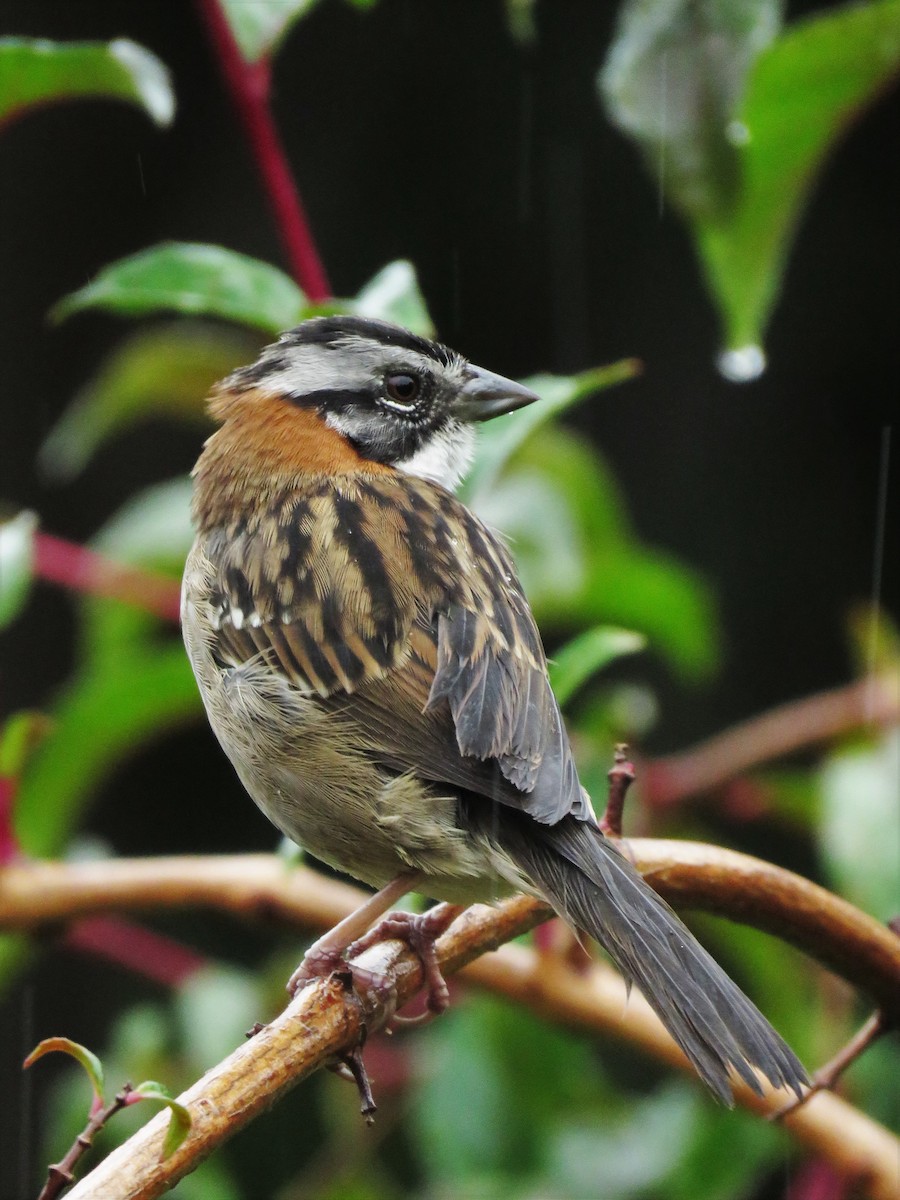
[(180, 1120), (81, 1054)]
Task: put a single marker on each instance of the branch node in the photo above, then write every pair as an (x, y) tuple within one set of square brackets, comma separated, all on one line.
[(621, 776)]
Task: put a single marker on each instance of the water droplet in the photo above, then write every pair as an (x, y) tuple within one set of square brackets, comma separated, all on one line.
[(742, 364), (737, 133)]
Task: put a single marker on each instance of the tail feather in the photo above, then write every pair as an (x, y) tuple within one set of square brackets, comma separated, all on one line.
[(590, 883)]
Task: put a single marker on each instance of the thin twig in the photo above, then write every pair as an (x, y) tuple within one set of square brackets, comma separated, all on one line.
[(827, 1076), (60, 1175), (868, 703), (250, 85)]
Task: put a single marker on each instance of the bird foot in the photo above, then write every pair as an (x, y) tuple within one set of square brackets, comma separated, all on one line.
[(420, 932)]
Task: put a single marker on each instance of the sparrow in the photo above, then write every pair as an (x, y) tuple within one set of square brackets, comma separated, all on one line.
[(370, 665)]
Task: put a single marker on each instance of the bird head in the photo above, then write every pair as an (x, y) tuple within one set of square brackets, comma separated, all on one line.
[(352, 393)]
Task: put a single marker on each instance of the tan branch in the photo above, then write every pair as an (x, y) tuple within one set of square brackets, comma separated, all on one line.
[(326, 1019), (261, 886)]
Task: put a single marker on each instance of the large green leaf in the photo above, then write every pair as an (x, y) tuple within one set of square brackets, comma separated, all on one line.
[(152, 529), (99, 718), (16, 558), (36, 72), (804, 90), (192, 278), (674, 74), (500, 439), (581, 564), (163, 370), (484, 1053)]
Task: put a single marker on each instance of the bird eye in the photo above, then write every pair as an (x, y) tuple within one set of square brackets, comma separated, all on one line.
[(403, 389)]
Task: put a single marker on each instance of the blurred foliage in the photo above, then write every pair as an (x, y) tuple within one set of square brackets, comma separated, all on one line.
[(35, 72), (735, 118), (490, 1102)]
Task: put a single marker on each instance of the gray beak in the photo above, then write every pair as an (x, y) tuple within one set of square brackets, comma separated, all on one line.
[(486, 395)]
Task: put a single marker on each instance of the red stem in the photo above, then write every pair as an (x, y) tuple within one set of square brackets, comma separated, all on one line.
[(83, 570), (249, 85), (136, 948)]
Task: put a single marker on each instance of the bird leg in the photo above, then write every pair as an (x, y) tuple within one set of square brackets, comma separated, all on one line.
[(327, 953), (420, 932)]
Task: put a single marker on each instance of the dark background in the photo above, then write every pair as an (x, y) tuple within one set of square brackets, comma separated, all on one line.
[(424, 131)]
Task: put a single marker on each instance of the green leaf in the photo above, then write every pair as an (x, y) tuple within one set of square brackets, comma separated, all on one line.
[(672, 79), (576, 662), (260, 26), (805, 89), (215, 1006), (90, 1062), (860, 829), (152, 529), (163, 370), (19, 738), (16, 563), (579, 561), (723, 1153), (179, 1119), (394, 295), (499, 440), (484, 1053), (35, 72), (101, 716), (192, 279), (628, 1157)]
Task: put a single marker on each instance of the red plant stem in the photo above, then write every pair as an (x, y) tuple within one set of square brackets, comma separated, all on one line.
[(9, 846), (818, 1180), (83, 570), (136, 948), (249, 85)]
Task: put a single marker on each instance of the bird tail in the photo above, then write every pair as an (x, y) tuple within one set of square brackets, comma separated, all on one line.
[(589, 883)]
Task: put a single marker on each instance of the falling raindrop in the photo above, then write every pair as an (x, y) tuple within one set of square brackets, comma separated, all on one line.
[(742, 364)]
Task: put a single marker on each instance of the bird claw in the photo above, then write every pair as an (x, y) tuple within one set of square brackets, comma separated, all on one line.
[(419, 931)]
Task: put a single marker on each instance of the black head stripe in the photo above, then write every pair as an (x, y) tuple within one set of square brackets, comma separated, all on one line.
[(331, 331)]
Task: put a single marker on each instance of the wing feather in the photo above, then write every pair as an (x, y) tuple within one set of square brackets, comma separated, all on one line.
[(340, 602)]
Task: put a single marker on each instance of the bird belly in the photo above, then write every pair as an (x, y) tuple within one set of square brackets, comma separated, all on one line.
[(308, 770)]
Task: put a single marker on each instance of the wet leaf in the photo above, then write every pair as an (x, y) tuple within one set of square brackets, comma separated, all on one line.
[(672, 80), (100, 718), (801, 95), (90, 1062), (192, 278), (16, 564), (164, 370), (35, 72)]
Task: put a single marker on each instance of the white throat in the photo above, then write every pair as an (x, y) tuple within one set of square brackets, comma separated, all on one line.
[(444, 458)]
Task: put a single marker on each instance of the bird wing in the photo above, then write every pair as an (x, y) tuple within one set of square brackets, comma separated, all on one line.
[(391, 600)]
